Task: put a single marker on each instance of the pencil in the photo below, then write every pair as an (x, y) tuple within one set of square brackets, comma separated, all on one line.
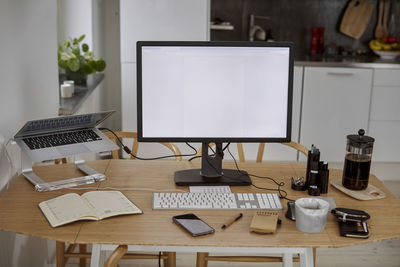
[(232, 221)]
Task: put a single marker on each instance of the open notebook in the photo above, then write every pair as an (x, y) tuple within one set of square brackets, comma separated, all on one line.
[(94, 205)]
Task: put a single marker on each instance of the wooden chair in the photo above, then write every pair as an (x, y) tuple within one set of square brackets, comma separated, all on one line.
[(64, 254), (204, 257), (297, 146)]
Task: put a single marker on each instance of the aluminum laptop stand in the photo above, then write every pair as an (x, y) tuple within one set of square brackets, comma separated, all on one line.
[(92, 176)]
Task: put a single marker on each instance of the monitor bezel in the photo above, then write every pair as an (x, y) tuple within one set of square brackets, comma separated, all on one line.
[(141, 44)]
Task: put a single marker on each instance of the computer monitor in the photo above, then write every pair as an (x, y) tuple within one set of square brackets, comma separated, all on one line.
[(214, 92)]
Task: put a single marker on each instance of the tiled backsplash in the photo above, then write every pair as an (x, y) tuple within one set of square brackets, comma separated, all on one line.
[(292, 20)]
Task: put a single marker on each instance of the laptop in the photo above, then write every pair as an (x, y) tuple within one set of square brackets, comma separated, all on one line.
[(65, 136)]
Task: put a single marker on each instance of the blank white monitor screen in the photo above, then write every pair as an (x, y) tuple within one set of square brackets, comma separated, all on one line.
[(214, 92)]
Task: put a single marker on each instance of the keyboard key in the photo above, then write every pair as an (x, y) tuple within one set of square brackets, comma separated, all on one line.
[(271, 201)]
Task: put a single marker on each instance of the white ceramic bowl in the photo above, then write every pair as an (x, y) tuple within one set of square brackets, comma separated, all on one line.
[(388, 55)]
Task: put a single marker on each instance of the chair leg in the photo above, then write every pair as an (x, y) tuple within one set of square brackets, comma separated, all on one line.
[(314, 250), (115, 256), (82, 249), (60, 250), (287, 260), (95, 259), (201, 260), (306, 258), (171, 261)]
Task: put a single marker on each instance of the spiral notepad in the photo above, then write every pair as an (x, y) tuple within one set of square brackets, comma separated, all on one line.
[(264, 222)]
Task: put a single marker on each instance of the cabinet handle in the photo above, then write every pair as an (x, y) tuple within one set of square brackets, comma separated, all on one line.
[(341, 73)]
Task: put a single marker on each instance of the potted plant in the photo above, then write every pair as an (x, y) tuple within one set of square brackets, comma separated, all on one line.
[(77, 60)]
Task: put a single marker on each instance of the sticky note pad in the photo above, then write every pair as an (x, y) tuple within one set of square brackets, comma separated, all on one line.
[(264, 222)]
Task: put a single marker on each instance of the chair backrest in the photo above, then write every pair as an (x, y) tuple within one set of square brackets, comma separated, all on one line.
[(135, 145), (239, 149), (294, 145)]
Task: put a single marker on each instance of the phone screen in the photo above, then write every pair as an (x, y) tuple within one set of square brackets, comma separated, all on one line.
[(193, 224)]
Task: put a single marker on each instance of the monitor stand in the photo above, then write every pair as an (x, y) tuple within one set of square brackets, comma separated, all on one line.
[(91, 176), (211, 172)]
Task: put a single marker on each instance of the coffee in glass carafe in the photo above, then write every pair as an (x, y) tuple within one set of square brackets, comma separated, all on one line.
[(357, 162)]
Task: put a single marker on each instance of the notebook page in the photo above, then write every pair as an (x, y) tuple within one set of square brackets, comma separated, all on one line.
[(110, 203), (66, 208)]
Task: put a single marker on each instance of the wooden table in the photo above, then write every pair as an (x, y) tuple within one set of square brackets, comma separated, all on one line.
[(154, 230)]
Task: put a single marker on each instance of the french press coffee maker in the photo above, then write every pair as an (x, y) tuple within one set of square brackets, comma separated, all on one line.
[(357, 162)]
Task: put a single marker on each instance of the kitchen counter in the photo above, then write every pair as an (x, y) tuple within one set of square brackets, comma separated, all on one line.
[(69, 106), (348, 62)]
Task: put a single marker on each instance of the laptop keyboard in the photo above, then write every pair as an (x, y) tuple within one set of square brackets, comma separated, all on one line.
[(61, 139)]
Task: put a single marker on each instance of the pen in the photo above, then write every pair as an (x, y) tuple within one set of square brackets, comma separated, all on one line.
[(232, 221)]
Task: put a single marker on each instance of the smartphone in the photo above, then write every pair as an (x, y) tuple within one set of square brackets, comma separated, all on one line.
[(193, 224)]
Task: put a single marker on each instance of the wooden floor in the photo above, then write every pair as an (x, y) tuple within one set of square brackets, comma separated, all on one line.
[(378, 254)]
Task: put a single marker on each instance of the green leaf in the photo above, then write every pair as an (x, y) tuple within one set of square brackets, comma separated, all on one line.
[(63, 64), (81, 38), (92, 64), (76, 51), (89, 55), (100, 65), (82, 61), (75, 41), (85, 47), (67, 55), (87, 69), (66, 44), (73, 64)]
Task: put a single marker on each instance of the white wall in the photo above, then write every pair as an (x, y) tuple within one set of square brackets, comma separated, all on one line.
[(29, 90), (112, 81), (75, 19)]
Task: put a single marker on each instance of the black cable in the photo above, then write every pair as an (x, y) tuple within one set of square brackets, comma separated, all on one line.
[(282, 193), (159, 259), (128, 151), (196, 157), (210, 147)]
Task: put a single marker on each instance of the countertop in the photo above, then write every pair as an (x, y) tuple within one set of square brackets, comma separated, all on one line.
[(348, 62), (69, 106)]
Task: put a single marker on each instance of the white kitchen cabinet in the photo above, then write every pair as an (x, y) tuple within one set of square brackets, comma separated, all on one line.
[(336, 103), (385, 103), (387, 77), (384, 124), (387, 145)]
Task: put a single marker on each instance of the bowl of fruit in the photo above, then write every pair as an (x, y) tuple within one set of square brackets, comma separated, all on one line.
[(387, 48)]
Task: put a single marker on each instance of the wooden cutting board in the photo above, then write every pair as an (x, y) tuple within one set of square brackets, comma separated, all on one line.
[(356, 18), (370, 193)]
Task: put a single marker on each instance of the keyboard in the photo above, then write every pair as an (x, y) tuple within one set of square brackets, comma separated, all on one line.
[(61, 139), (236, 201)]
